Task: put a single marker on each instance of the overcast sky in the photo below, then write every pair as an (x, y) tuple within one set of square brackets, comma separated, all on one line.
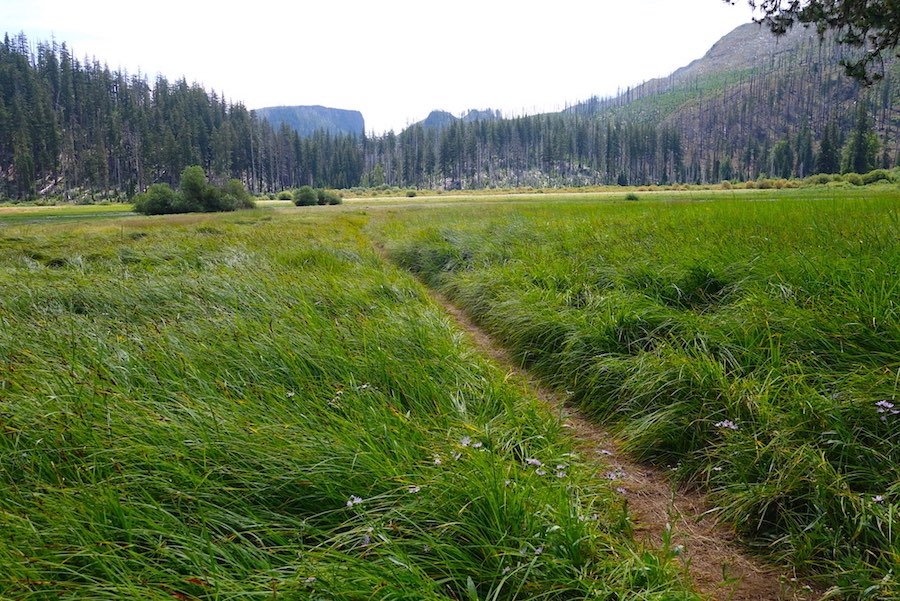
[(394, 61)]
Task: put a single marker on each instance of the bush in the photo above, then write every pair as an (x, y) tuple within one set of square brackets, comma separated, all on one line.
[(159, 199), (631, 196), (237, 195), (285, 195), (876, 176), (853, 178), (305, 196), (195, 195), (410, 193), (818, 179), (330, 197)]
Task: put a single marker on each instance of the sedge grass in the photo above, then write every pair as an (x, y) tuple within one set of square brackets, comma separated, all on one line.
[(754, 346), (256, 406)]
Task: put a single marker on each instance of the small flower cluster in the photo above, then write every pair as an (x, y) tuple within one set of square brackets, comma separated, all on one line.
[(466, 441), (886, 408), (537, 464), (727, 424), (354, 500), (617, 474)]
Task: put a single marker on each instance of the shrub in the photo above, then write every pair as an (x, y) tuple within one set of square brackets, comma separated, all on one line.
[(305, 196), (631, 196), (876, 176), (329, 197), (159, 199), (195, 194), (411, 193), (853, 178), (237, 195), (285, 195), (819, 179)]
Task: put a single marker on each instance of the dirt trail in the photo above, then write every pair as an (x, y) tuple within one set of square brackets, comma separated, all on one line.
[(716, 563)]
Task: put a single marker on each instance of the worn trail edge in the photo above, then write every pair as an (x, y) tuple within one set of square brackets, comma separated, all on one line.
[(715, 562)]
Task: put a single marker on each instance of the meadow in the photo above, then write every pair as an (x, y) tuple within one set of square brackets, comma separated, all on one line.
[(750, 342), (258, 406)]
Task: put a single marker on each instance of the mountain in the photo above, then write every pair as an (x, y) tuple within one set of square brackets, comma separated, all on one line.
[(306, 120), (439, 119), (754, 106), (751, 92)]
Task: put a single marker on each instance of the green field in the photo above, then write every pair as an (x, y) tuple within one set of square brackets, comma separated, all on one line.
[(259, 405), (751, 343)]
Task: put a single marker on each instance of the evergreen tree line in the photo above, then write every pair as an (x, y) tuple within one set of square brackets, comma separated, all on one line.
[(74, 127)]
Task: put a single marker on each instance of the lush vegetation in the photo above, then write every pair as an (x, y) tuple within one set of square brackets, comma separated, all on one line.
[(256, 405), (306, 196), (76, 130), (195, 195), (752, 343)]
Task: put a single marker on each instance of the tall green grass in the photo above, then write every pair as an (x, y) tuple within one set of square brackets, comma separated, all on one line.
[(256, 406), (754, 346)]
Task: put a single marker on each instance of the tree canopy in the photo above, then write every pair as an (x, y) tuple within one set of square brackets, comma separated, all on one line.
[(870, 25)]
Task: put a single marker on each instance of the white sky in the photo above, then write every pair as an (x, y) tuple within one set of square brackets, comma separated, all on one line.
[(393, 60)]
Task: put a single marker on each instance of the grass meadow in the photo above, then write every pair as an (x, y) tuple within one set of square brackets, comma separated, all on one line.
[(258, 406), (750, 341)]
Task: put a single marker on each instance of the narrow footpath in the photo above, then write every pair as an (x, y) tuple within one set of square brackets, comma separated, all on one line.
[(717, 565)]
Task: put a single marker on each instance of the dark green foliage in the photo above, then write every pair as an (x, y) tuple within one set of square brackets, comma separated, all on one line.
[(328, 197), (235, 194), (87, 130), (782, 159), (195, 195), (862, 147), (828, 160), (159, 199), (285, 195), (305, 196)]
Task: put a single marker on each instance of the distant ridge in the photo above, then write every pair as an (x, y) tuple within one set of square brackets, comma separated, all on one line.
[(440, 119), (749, 46), (306, 120)]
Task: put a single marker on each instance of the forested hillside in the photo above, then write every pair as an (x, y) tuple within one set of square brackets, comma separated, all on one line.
[(751, 108), (75, 127)]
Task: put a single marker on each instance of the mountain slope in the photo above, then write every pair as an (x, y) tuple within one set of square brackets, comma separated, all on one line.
[(306, 120), (754, 106)]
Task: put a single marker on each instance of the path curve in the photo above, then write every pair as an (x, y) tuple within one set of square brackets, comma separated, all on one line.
[(716, 563)]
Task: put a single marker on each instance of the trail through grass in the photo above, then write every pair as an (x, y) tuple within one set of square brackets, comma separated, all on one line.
[(753, 346), (256, 406)]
